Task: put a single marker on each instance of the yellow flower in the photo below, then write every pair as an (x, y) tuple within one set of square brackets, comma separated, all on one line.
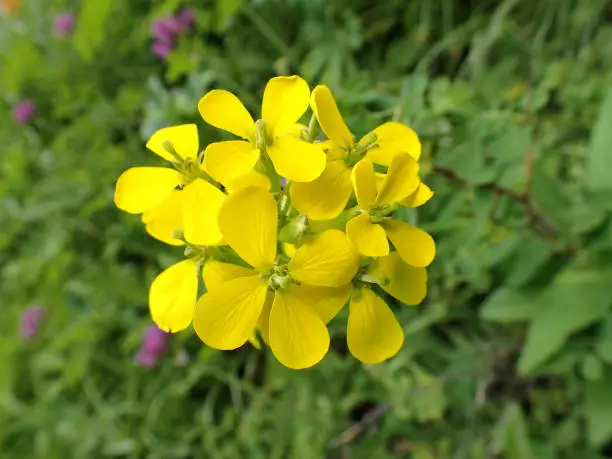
[(326, 197), (373, 332), (303, 287), (285, 100), (369, 230), (163, 221), (152, 191)]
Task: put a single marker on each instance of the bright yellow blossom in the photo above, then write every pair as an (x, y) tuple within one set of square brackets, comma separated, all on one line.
[(369, 230), (152, 191), (226, 316), (327, 196), (269, 272), (285, 100), (373, 332)]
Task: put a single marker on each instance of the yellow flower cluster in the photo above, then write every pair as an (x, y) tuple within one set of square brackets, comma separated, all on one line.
[(279, 261)]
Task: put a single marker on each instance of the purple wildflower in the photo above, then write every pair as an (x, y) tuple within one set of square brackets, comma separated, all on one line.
[(145, 359), (166, 29), (153, 346), (161, 49), (64, 24), (186, 18), (24, 111), (30, 321)]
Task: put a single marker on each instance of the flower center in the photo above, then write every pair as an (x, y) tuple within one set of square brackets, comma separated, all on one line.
[(380, 213), (278, 277), (262, 137), (359, 150), (188, 167)]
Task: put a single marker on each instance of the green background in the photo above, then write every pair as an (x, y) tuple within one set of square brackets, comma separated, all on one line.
[(510, 356)]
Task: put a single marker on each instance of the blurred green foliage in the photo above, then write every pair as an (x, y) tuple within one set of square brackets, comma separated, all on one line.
[(509, 357)]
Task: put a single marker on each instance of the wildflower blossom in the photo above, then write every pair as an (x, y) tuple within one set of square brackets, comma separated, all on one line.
[(161, 49), (148, 189), (325, 197), (270, 271), (226, 316), (30, 321), (373, 332), (166, 31), (64, 24), (186, 18), (153, 346), (24, 111), (10, 6), (285, 100), (369, 230)]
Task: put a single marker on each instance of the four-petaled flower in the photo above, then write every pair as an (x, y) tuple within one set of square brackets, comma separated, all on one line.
[(269, 270), (170, 199), (287, 298), (325, 197), (271, 138), (369, 230)]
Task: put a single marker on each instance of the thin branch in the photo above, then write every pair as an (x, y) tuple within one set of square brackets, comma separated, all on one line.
[(538, 221), (356, 429)]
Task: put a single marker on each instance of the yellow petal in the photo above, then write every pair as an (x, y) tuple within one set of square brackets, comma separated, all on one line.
[(162, 221), (229, 160), (329, 260), (298, 337), (364, 183), (184, 139), (335, 154), (401, 180), (142, 188), (420, 196), (201, 204), (248, 221), (324, 106), (406, 283), (252, 178), (216, 273), (172, 296), (325, 197), (296, 130), (285, 100), (394, 138), (225, 317), (369, 239), (415, 246), (289, 249), (223, 110), (326, 301), (295, 159), (373, 333)]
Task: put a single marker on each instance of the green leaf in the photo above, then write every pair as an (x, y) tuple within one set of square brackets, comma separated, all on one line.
[(603, 344), (600, 151), (598, 411), (592, 368), (577, 298), (507, 305), (91, 29), (511, 435), (532, 255)]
